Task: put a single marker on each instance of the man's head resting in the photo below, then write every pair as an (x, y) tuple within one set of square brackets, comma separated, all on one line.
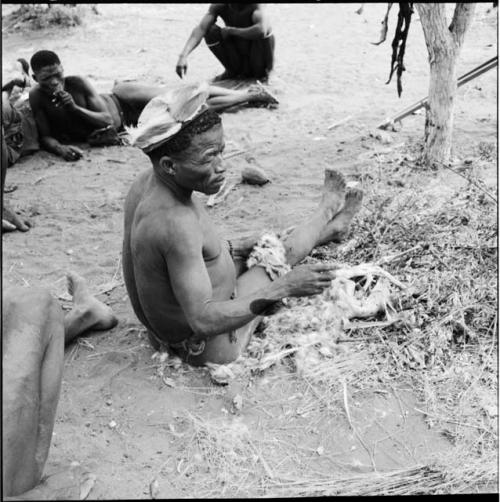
[(42, 59)]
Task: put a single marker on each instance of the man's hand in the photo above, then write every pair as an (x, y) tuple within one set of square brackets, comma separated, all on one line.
[(64, 99), (181, 67), (69, 152), (308, 280), (11, 221)]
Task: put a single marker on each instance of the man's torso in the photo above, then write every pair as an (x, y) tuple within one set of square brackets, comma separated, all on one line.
[(145, 268), (240, 17), (65, 126)]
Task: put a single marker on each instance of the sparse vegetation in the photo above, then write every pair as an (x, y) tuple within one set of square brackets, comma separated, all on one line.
[(42, 16)]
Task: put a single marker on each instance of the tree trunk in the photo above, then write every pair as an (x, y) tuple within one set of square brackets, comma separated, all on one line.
[(443, 44)]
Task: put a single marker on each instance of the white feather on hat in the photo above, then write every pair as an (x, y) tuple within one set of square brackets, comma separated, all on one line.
[(165, 115)]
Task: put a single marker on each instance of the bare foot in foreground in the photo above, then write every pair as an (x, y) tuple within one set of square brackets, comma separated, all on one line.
[(71, 484), (97, 315), (338, 227)]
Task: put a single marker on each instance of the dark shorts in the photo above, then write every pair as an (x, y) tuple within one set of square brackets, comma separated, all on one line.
[(184, 349), (187, 347)]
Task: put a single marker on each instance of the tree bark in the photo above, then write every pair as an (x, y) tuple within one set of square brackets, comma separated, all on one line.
[(444, 44)]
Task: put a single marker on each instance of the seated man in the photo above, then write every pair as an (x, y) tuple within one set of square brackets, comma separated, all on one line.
[(244, 46), (189, 288), (69, 109), (34, 333)]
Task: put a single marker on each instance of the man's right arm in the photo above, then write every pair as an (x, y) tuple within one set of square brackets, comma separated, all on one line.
[(47, 141), (196, 37), (192, 287)]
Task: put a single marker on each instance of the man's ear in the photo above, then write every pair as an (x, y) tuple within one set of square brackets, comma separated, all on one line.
[(167, 165)]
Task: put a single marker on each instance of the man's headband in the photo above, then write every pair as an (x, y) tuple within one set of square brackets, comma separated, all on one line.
[(165, 115)]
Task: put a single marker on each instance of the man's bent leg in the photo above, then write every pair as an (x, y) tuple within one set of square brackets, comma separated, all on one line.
[(33, 352), (225, 348), (262, 57), (225, 51)]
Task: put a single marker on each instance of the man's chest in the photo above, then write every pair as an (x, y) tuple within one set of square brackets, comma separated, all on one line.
[(238, 19), (211, 240), (61, 114)]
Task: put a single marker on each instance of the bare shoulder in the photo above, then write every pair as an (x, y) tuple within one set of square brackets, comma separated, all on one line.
[(78, 83), (35, 96), (258, 9), (165, 225)]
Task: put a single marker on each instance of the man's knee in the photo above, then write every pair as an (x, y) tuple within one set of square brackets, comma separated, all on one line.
[(225, 348), (213, 35), (35, 306)]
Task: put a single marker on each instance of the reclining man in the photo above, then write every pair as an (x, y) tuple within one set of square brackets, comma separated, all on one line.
[(244, 46), (34, 333), (190, 289), (69, 109)]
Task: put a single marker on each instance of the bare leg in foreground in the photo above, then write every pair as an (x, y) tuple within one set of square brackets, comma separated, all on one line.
[(334, 214), (34, 332)]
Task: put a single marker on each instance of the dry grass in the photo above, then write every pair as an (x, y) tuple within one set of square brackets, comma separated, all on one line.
[(450, 352)]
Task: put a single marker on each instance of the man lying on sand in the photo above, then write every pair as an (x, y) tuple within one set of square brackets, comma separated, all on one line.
[(34, 332), (244, 45), (69, 109), (191, 289)]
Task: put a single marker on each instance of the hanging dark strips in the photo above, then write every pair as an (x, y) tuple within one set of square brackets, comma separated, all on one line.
[(399, 43)]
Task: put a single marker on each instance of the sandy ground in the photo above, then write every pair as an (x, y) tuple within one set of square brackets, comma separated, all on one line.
[(326, 70)]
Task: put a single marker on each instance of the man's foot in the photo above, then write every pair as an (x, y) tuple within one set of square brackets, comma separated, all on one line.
[(74, 483), (258, 94), (338, 227), (94, 314), (333, 193)]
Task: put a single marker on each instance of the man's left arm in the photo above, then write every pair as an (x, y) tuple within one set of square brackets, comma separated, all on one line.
[(95, 113), (259, 29)]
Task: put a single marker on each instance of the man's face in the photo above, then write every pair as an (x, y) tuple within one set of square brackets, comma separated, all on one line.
[(50, 78), (201, 167)]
